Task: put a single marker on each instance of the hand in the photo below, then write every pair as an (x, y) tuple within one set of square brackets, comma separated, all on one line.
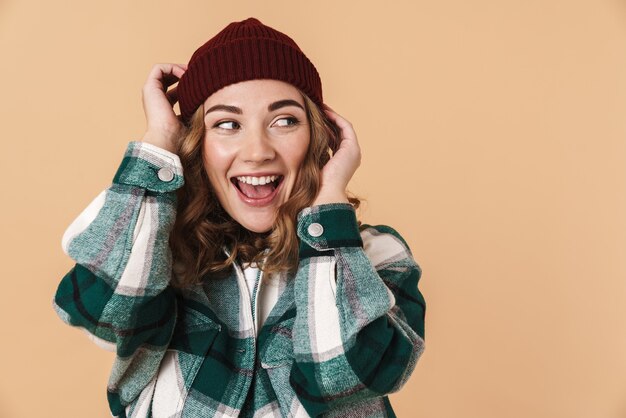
[(163, 124), (338, 171)]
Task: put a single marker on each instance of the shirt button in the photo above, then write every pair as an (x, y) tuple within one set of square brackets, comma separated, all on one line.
[(315, 229), (166, 174)]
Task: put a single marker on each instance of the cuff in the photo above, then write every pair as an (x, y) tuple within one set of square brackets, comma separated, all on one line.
[(326, 227), (150, 167)]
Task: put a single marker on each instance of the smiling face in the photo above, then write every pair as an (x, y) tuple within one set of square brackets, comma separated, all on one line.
[(256, 137)]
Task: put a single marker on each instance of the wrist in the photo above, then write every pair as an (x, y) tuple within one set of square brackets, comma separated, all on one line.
[(335, 197), (161, 141)]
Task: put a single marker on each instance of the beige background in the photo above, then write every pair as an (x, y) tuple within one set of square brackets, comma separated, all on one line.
[(493, 137)]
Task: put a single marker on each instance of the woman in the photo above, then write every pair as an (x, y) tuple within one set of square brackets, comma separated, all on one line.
[(249, 288)]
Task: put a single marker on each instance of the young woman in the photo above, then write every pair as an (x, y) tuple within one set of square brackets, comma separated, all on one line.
[(248, 287)]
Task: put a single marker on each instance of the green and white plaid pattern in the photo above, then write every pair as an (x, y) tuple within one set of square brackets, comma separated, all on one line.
[(346, 329)]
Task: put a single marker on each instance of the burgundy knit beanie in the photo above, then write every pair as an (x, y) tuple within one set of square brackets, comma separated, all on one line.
[(245, 50)]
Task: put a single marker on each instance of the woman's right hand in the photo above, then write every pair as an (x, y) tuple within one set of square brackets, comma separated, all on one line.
[(158, 104)]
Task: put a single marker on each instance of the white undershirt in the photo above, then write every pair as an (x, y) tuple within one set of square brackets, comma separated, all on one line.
[(250, 272), (266, 296)]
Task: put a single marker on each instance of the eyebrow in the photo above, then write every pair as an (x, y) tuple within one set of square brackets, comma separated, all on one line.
[(273, 106)]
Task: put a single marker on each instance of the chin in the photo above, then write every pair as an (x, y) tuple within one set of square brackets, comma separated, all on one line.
[(259, 229), (258, 224)]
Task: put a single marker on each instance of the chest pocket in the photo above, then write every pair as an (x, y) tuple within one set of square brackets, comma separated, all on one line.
[(194, 335), (195, 331)]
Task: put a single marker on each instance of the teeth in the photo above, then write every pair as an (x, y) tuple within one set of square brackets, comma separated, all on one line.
[(255, 181)]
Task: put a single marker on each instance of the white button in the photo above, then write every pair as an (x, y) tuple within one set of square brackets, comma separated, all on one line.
[(166, 174), (315, 229)]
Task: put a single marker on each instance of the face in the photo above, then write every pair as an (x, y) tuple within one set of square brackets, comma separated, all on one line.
[(256, 137)]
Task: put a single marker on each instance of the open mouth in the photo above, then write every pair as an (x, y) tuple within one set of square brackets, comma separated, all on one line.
[(252, 188)]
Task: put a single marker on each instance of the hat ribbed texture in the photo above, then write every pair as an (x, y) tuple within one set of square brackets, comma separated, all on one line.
[(245, 50)]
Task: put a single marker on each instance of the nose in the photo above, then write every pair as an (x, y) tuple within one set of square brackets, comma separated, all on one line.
[(257, 148)]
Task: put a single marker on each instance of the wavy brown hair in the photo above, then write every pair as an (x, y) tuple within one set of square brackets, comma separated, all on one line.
[(203, 227)]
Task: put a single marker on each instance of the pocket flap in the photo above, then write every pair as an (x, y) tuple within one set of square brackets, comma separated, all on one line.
[(278, 347), (194, 332)]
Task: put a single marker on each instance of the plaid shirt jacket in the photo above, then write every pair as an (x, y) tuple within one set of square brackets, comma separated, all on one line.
[(346, 329)]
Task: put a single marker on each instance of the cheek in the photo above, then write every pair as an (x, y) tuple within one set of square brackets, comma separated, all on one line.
[(296, 154), (216, 165), (216, 158)]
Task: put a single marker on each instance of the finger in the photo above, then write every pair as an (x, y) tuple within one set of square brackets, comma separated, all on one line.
[(172, 77), (178, 70), (166, 74), (167, 68), (335, 117), (347, 131)]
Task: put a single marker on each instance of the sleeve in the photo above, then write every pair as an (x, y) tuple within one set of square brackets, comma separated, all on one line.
[(359, 327), (118, 290)]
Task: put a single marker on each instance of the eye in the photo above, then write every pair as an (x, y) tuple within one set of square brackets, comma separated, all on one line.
[(293, 121), (225, 122)]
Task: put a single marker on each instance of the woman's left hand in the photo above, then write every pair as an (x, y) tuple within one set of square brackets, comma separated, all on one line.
[(338, 171)]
